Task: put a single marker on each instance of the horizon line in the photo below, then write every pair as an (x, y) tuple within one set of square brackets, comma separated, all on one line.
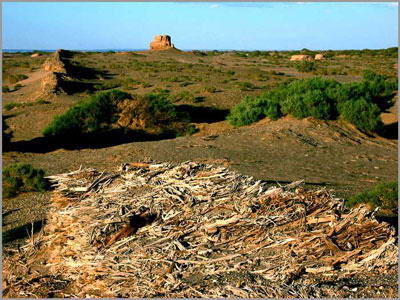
[(193, 49)]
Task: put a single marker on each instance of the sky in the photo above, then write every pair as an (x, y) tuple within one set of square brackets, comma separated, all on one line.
[(234, 26)]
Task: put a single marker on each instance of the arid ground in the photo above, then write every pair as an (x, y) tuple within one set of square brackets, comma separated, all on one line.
[(330, 154)]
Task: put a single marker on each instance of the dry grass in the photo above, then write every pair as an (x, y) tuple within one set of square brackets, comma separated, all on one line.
[(193, 230)]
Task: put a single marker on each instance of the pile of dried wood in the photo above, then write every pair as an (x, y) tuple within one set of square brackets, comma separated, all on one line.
[(193, 230)]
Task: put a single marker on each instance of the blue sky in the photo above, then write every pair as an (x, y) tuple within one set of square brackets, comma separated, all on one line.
[(250, 26)]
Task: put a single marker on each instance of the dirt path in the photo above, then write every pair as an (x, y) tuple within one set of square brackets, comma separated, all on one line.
[(39, 74)]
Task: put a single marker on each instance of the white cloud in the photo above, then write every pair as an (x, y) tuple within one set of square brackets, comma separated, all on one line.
[(393, 4), (215, 6)]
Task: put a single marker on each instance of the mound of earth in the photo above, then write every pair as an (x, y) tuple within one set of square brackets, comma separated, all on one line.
[(196, 230), (139, 114)]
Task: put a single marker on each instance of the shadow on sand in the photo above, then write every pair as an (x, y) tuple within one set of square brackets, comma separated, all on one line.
[(203, 114), (110, 138), (23, 231), (390, 131)]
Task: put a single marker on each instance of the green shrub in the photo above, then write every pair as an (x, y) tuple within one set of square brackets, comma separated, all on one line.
[(309, 98), (11, 105), (172, 79), (246, 86), (17, 86), (5, 89), (305, 66), (93, 114), (146, 85), (109, 84), (199, 53), (22, 178), (240, 54), (188, 130), (186, 83), (164, 115), (17, 77), (378, 89), (182, 96), (384, 195), (251, 110), (363, 114), (100, 113), (159, 103), (210, 89), (42, 101), (245, 113), (360, 103), (160, 91)]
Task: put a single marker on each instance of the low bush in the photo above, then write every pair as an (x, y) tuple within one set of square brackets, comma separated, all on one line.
[(363, 114), (107, 85), (246, 86), (17, 77), (305, 66), (186, 83), (360, 103), (251, 110), (159, 104), (309, 98), (210, 89), (160, 91), (146, 85), (101, 112), (91, 115), (42, 101), (161, 116), (21, 177), (273, 72), (17, 86), (11, 105), (5, 89), (240, 54), (384, 195), (199, 53), (182, 96)]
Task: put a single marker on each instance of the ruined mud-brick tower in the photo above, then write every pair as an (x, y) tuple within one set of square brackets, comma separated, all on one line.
[(161, 42)]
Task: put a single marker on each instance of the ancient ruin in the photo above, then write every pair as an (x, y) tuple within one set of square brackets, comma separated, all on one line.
[(301, 57), (161, 42), (55, 63)]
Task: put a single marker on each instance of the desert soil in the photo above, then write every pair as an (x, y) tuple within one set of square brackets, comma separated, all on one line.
[(332, 155)]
